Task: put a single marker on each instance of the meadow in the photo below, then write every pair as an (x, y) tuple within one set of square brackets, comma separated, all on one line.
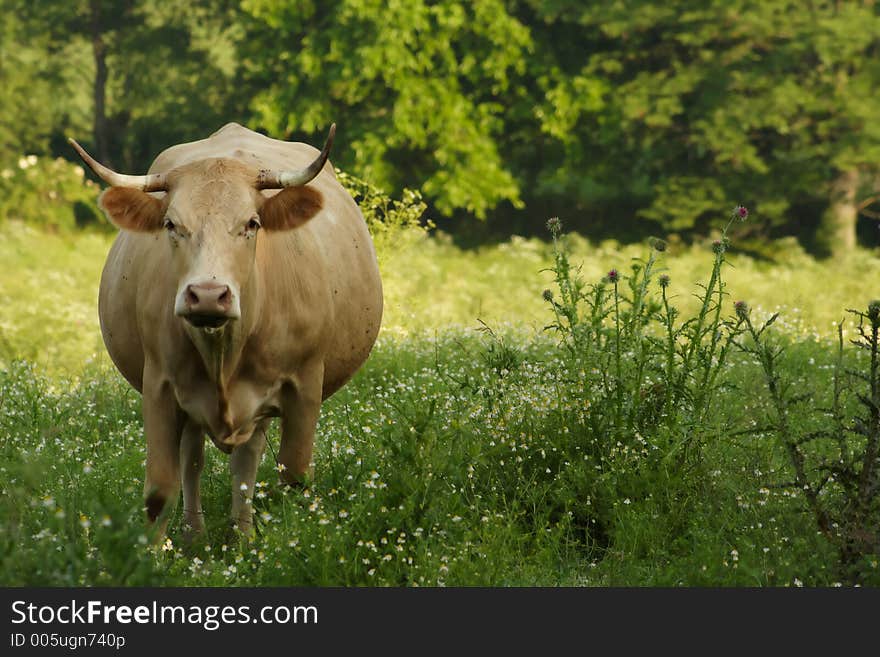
[(49, 287), (539, 412)]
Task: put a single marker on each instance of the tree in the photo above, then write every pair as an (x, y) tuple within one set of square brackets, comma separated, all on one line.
[(601, 111), (161, 71), (708, 103), (418, 88), (31, 78), (98, 23), (176, 77)]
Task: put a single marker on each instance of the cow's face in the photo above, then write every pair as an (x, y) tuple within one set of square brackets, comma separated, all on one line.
[(211, 217)]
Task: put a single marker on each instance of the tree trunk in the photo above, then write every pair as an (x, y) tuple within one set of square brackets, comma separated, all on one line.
[(837, 232), (99, 90)]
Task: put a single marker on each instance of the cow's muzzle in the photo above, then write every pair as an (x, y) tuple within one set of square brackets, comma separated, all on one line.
[(208, 305)]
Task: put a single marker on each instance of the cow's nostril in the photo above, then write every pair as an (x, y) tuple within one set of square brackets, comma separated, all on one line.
[(207, 303)]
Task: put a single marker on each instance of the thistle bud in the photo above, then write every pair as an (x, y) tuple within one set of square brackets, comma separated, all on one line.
[(720, 246), (548, 295), (740, 212), (658, 244), (613, 276), (663, 279), (742, 309)]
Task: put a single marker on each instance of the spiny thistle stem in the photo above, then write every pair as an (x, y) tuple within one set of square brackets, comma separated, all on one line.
[(635, 332), (618, 373), (697, 331), (869, 464), (669, 321), (767, 358), (704, 388)]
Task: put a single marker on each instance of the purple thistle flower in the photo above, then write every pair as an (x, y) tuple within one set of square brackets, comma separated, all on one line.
[(741, 212), (613, 276)]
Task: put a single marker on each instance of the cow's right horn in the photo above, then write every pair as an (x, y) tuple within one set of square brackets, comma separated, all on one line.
[(272, 179), (152, 182)]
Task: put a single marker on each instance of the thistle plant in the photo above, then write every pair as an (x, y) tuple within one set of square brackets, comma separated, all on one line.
[(703, 344), (640, 379), (647, 363), (834, 461), (567, 310)]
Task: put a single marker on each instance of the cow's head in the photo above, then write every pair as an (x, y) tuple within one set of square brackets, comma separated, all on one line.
[(210, 212)]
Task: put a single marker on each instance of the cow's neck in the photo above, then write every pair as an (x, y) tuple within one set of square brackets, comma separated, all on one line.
[(219, 356), (217, 349), (221, 350)]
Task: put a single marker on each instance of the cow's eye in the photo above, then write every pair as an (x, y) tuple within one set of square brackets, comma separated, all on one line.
[(251, 227)]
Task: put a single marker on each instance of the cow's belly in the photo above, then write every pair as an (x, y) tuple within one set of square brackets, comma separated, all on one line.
[(116, 298), (347, 355)]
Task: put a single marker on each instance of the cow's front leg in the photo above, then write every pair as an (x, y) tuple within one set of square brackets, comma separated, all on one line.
[(192, 459), (243, 464), (162, 428), (301, 405)]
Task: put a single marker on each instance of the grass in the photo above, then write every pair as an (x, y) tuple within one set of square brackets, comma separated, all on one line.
[(462, 454), (432, 468), (48, 288)]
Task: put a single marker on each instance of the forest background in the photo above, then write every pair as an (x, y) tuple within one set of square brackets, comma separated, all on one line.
[(629, 118)]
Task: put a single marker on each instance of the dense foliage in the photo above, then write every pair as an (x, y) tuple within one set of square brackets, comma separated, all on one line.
[(700, 102), (602, 111)]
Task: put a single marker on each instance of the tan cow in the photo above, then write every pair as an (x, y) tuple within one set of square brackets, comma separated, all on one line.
[(227, 302)]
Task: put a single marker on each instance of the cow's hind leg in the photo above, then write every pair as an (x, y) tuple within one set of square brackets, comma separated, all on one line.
[(243, 463), (192, 459), (301, 405)]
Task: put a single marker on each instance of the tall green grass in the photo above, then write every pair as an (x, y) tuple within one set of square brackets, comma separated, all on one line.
[(48, 287), (633, 443), (454, 460)]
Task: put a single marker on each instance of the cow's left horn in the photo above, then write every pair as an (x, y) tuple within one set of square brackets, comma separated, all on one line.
[(152, 182), (269, 179)]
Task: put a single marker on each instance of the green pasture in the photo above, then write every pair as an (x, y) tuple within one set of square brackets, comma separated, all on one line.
[(420, 480), (457, 456), (48, 287)]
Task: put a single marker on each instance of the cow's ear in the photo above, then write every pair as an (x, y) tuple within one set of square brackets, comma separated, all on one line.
[(290, 208), (133, 209)]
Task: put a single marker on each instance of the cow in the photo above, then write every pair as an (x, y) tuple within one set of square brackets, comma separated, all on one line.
[(243, 285)]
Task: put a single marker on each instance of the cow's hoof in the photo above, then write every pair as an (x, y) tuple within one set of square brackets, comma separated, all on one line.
[(300, 481), (193, 527), (194, 521), (154, 505)]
